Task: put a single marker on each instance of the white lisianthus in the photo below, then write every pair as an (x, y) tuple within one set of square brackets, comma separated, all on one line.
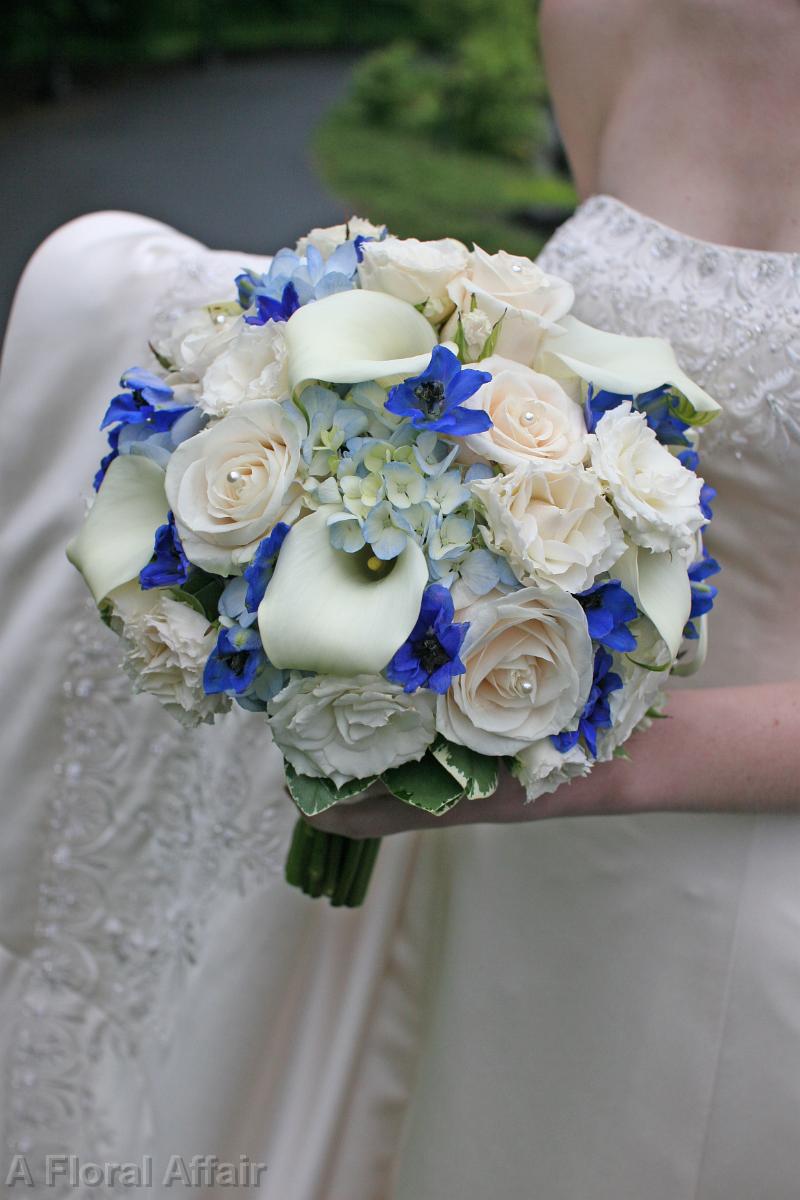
[(167, 644), (552, 526), (541, 768), (533, 419), (513, 288), (414, 271), (343, 729), (529, 663), (642, 688), (656, 497), (229, 485), (197, 338), (326, 239), (252, 365)]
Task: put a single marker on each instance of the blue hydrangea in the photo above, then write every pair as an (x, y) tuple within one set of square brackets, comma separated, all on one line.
[(429, 658), (169, 566), (270, 309), (609, 609), (596, 713), (293, 280), (703, 594), (434, 399), (657, 405)]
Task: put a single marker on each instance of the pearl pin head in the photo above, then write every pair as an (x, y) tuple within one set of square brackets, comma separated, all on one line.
[(234, 476), (527, 687), (528, 417)]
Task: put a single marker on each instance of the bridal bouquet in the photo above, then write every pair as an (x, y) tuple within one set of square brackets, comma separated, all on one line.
[(392, 496)]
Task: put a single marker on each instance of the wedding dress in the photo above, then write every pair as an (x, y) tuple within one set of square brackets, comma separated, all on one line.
[(612, 1004), (574, 1010), (163, 991)]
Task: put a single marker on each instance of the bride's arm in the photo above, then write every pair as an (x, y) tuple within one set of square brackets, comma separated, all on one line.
[(732, 749)]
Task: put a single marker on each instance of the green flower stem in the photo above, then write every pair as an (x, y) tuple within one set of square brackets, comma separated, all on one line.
[(347, 870), (331, 865), (336, 845), (315, 872), (299, 851), (366, 862)]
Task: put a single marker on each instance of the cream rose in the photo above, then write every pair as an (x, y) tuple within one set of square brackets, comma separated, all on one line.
[(231, 484), (541, 768), (552, 526), (656, 498), (513, 288), (252, 365), (533, 419), (343, 729), (167, 644), (326, 239), (414, 271), (529, 661)]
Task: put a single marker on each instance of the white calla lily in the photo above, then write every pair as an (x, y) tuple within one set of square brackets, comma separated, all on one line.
[(616, 363), (351, 337), (116, 539), (659, 583), (322, 611)]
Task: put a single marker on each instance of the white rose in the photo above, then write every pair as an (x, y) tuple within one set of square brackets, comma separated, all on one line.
[(642, 688), (195, 340), (221, 519), (656, 498), (533, 419), (251, 366), (552, 526), (513, 288), (529, 663), (328, 238), (476, 329), (414, 271), (167, 644), (343, 729), (541, 768)]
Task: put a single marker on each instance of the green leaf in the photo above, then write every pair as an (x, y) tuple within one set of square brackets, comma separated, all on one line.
[(648, 666), (621, 752), (313, 796), (178, 593), (655, 715), (205, 590), (476, 773), (163, 361), (686, 411), (461, 341), (106, 610), (424, 784), (490, 345)]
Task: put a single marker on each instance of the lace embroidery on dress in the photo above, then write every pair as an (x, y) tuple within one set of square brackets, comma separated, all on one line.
[(131, 872), (720, 305)]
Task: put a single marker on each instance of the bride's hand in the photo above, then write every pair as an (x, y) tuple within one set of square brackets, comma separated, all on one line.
[(731, 749)]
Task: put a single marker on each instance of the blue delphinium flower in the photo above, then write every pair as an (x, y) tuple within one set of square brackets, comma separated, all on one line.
[(107, 459), (703, 594), (148, 399), (429, 657), (270, 309), (657, 406), (262, 564), (169, 566), (234, 662), (608, 609), (691, 460), (434, 399), (596, 713)]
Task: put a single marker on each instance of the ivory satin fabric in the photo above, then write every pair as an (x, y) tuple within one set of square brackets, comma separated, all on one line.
[(595, 1009)]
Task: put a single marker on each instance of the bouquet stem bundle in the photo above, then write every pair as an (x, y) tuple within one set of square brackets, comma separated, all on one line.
[(328, 864)]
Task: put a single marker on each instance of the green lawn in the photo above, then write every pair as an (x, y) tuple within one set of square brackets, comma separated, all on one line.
[(421, 190)]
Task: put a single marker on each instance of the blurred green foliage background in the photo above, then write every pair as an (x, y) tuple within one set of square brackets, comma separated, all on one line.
[(445, 127)]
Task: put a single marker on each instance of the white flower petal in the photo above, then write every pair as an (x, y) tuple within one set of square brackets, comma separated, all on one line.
[(659, 583), (355, 336), (616, 363), (320, 613), (117, 537)]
